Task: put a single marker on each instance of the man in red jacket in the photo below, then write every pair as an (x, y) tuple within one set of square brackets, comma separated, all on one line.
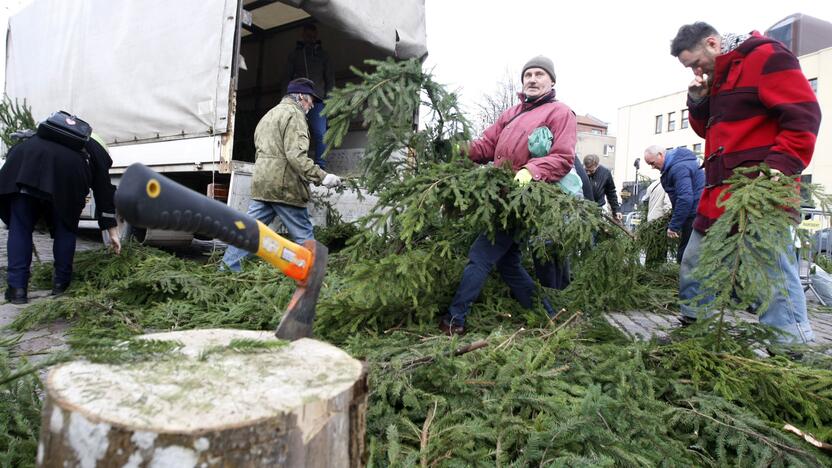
[(508, 141), (752, 104)]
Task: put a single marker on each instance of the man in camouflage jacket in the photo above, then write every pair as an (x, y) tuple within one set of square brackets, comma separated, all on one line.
[(283, 169)]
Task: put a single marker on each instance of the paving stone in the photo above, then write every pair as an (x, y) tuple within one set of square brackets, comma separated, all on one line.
[(642, 325)]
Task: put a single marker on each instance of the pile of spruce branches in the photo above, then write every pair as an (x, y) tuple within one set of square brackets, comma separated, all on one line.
[(519, 389)]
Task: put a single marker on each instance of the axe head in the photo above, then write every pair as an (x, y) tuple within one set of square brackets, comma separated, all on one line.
[(300, 313)]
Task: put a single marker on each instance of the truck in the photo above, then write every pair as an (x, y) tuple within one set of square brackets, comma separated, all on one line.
[(180, 86)]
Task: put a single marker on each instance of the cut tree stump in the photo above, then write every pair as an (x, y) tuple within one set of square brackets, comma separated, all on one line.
[(299, 405)]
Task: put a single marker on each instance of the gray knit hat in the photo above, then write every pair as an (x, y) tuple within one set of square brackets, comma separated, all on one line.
[(540, 62)]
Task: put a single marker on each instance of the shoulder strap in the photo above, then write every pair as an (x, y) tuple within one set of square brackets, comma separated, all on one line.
[(534, 105)]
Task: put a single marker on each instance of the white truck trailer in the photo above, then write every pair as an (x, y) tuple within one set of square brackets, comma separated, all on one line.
[(180, 85)]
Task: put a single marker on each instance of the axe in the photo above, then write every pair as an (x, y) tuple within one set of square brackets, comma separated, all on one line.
[(148, 199)]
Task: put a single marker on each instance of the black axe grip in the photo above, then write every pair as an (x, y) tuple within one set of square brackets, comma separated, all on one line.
[(148, 199)]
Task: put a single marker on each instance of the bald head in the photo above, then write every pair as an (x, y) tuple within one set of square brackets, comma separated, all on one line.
[(654, 157)]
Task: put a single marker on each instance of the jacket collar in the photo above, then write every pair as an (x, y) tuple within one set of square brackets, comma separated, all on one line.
[(546, 98), (293, 102)]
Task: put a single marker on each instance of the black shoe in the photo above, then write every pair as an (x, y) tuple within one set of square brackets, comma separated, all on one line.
[(17, 295), (686, 321), (58, 289), (450, 330)]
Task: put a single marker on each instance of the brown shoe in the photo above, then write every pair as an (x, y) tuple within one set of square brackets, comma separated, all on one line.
[(450, 330)]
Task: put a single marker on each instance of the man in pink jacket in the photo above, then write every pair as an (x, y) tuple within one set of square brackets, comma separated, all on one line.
[(511, 140)]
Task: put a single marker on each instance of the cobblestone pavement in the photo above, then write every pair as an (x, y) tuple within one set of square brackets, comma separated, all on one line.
[(36, 344), (641, 325)]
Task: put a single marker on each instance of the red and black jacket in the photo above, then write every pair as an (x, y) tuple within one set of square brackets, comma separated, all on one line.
[(760, 109)]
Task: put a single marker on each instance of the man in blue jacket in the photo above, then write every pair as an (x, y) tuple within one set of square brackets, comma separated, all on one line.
[(683, 180)]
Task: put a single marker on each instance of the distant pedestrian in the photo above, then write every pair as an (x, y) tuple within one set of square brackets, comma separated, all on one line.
[(683, 180), (602, 185)]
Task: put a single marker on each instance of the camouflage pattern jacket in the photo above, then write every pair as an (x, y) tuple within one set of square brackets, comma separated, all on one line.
[(283, 169)]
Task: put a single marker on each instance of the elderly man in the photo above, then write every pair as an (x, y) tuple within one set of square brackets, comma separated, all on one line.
[(602, 185), (752, 104), (683, 180), (283, 170), (509, 142)]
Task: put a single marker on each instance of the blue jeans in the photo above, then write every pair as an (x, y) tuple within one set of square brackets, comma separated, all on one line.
[(504, 252), (294, 218), (787, 310), (24, 211), (317, 127)]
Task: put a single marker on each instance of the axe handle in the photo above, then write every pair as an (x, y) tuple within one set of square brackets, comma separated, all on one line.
[(148, 199)]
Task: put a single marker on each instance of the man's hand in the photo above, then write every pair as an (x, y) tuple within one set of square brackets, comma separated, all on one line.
[(331, 181), (672, 234), (698, 88), (115, 239), (523, 177)]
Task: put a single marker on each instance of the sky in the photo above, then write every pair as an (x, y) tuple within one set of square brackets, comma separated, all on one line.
[(607, 54)]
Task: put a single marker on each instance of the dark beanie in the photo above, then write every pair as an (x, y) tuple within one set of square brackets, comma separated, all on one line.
[(540, 62)]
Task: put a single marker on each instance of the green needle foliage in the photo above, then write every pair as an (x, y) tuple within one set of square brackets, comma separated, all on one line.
[(653, 241), (14, 116), (738, 264), (519, 389), (386, 101)]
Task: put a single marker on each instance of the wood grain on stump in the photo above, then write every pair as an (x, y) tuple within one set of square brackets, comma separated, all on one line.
[(300, 405)]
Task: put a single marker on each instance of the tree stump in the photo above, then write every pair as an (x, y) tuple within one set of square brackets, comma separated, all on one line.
[(300, 405)]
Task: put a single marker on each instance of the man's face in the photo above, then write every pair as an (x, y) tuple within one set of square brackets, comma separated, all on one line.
[(702, 58), (536, 82), (309, 35), (656, 161), (591, 168), (307, 102)]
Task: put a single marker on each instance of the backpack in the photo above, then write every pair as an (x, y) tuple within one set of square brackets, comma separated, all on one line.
[(66, 129)]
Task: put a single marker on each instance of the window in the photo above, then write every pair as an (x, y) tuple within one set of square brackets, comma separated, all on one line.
[(659, 124), (609, 149), (814, 84), (684, 118), (671, 121), (697, 148)]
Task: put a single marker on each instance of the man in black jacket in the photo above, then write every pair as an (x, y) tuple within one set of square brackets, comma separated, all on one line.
[(45, 179), (602, 185)]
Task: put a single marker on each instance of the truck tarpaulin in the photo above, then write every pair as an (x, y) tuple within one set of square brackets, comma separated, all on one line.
[(397, 27), (113, 63)]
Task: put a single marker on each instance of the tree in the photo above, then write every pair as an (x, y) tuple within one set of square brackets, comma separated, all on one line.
[(494, 104)]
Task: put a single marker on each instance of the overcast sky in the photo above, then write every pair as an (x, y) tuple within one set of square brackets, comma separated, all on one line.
[(607, 54)]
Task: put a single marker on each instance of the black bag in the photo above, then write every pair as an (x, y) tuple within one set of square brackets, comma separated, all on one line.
[(66, 129)]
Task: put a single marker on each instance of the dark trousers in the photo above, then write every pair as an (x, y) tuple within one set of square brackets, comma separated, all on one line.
[(684, 237), (504, 253), (24, 213), (554, 273), (317, 127)]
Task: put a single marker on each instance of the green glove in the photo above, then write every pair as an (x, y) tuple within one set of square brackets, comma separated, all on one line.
[(540, 142), (523, 177)]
